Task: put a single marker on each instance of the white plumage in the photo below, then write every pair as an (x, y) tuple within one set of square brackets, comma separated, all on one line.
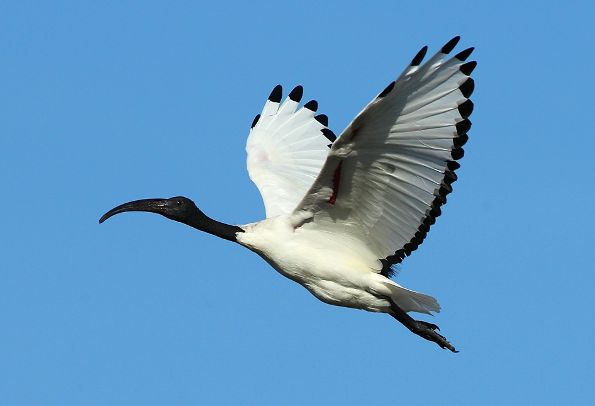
[(336, 268), (340, 212), (285, 152)]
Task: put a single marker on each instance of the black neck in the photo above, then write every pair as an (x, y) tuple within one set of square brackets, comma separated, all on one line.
[(202, 222)]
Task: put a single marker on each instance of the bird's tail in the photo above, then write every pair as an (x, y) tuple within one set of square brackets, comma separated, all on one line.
[(412, 301)]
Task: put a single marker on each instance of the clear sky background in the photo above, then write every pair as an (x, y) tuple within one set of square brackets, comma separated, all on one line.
[(105, 102)]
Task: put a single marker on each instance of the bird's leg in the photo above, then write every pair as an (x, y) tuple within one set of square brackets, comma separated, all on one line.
[(421, 328)]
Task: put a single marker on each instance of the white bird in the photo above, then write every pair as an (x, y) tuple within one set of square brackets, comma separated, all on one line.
[(338, 219)]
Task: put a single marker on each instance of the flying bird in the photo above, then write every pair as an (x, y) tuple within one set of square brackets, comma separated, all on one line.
[(341, 212)]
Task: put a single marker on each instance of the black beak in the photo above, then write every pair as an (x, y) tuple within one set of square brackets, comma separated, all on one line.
[(151, 205)]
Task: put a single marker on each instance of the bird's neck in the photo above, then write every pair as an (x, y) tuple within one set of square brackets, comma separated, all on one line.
[(202, 222)]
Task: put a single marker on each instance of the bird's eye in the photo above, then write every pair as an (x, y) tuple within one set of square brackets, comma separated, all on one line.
[(179, 202)]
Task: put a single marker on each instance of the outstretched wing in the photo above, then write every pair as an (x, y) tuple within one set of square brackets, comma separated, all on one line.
[(286, 149), (389, 172)]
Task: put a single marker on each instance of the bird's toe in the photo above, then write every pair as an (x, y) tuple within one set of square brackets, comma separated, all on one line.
[(429, 325), (428, 331)]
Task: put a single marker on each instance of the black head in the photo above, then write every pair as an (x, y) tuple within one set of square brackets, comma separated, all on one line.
[(177, 208), (180, 209)]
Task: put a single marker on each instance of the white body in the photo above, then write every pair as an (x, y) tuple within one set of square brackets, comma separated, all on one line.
[(334, 268)]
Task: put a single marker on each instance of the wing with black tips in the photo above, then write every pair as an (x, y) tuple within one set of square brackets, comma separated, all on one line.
[(389, 172), (286, 149)]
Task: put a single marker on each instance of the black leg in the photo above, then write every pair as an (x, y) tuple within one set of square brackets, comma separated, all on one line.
[(421, 328)]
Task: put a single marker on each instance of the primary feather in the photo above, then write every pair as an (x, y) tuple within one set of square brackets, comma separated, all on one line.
[(286, 149)]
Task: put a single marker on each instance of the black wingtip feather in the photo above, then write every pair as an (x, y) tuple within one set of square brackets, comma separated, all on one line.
[(464, 54), (460, 140), (276, 94), (419, 56), (468, 67), (255, 121), (463, 126), (467, 87), (466, 108), (329, 134), (400, 253), (457, 153), (450, 177), (449, 46), (297, 93), (311, 105), (387, 270), (453, 165), (438, 200), (387, 89), (445, 189), (322, 119)]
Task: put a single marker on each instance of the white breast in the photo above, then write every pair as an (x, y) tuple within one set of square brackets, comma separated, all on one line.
[(326, 264)]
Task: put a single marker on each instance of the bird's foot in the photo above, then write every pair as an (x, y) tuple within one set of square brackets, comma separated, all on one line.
[(428, 331), (421, 328), (429, 325)]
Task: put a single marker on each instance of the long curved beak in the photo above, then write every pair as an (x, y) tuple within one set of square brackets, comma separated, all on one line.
[(150, 205)]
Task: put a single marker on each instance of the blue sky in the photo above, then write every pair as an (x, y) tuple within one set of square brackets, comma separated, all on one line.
[(105, 102)]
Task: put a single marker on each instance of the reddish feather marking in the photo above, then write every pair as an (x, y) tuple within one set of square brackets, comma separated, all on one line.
[(336, 180)]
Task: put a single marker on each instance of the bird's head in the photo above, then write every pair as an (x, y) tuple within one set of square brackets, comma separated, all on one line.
[(177, 208)]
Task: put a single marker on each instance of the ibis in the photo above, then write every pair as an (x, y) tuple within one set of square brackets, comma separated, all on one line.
[(341, 212)]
